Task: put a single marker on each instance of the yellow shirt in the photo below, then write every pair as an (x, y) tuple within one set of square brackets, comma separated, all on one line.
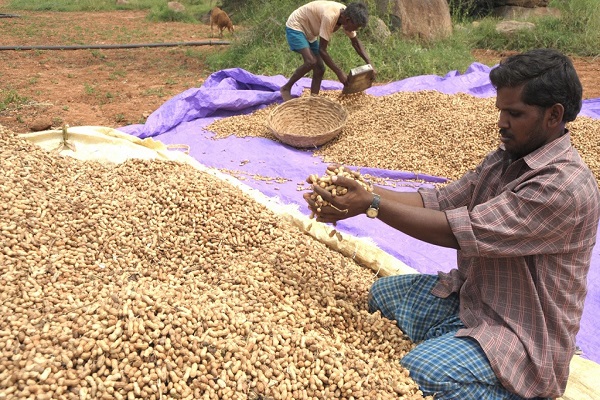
[(317, 19)]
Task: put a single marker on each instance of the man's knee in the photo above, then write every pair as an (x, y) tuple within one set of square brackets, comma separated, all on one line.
[(309, 59), (319, 68), (452, 367), (426, 371), (386, 291), (434, 379), (374, 295), (310, 64)]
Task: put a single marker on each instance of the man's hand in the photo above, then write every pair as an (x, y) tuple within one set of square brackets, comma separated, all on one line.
[(351, 204), (374, 73)]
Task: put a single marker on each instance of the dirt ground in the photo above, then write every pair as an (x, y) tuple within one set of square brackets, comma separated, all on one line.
[(117, 87)]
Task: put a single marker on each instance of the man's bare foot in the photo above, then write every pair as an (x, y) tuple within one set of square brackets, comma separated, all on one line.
[(285, 93)]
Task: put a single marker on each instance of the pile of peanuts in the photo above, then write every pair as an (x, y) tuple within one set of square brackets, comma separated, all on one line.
[(425, 132), (325, 182), (154, 280)]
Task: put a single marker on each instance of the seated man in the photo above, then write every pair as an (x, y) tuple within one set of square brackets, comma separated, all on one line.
[(502, 325)]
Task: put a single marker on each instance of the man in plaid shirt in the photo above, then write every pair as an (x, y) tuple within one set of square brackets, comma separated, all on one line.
[(502, 325)]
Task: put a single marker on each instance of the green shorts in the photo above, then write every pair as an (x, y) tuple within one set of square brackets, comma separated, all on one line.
[(297, 41)]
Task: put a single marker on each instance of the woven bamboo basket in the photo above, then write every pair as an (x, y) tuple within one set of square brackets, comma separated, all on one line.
[(308, 121)]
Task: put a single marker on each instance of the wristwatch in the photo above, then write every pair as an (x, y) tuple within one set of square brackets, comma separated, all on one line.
[(373, 209)]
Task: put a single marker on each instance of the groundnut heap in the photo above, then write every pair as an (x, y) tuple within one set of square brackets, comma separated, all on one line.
[(154, 280)]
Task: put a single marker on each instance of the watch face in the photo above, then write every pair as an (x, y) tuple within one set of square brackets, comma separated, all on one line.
[(372, 212)]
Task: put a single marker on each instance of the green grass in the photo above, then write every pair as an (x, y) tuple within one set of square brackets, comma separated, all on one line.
[(158, 10), (262, 49), (394, 58), (162, 12), (89, 89), (118, 74), (159, 92), (11, 98), (81, 5), (576, 33), (97, 54)]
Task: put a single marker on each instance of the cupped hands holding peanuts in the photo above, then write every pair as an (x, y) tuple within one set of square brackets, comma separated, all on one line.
[(341, 193)]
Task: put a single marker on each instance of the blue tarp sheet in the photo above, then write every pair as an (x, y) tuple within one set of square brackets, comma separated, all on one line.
[(183, 118)]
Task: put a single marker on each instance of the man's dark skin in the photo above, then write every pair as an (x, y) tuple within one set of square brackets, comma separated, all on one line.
[(523, 128), (317, 63)]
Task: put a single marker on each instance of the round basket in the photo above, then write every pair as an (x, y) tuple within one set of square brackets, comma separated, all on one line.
[(307, 121)]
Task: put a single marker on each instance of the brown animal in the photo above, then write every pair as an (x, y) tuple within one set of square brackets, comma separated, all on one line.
[(220, 18)]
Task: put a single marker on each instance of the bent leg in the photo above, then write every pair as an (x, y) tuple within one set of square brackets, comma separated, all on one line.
[(318, 73), (450, 367), (310, 61), (443, 365), (318, 70), (407, 299), (298, 43)]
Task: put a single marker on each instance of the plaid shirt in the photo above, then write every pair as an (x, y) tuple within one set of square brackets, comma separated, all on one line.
[(526, 231)]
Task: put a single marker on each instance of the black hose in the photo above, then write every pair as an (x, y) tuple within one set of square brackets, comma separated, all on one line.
[(116, 46)]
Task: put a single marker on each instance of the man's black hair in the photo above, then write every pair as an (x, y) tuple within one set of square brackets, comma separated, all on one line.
[(358, 13), (548, 77)]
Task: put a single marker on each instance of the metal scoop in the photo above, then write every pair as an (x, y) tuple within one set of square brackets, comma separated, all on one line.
[(359, 79)]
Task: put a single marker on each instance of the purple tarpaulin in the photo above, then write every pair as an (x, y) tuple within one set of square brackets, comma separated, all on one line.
[(182, 119)]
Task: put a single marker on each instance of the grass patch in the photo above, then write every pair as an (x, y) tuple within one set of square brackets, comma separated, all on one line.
[(80, 5), (11, 98), (97, 54), (262, 49), (158, 92), (117, 74), (162, 13), (394, 58), (90, 90), (158, 10), (576, 32)]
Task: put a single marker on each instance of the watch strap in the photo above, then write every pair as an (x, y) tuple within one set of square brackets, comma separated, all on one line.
[(373, 209), (376, 201)]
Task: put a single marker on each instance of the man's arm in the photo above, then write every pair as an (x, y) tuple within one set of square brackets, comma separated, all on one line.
[(360, 50), (430, 226), (403, 211), (342, 77)]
